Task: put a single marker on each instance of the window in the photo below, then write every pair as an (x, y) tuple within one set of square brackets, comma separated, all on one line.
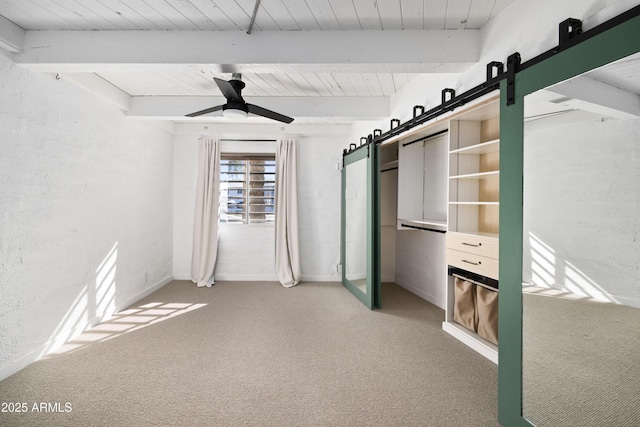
[(247, 189)]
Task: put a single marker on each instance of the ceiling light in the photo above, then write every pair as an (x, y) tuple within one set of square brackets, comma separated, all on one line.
[(234, 114)]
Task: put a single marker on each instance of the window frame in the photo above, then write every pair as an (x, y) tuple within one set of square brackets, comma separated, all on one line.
[(247, 199)]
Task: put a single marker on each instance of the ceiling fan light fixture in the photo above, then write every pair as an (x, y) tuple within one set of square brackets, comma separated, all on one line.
[(235, 114)]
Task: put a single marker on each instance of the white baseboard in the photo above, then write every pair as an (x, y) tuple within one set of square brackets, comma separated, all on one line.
[(263, 278), (181, 276), (56, 342), (148, 291), (321, 278), (473, 340), (422, 294)]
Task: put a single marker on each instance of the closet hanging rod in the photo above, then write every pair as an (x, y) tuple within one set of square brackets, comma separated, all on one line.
[(423, 228), (424, 138)]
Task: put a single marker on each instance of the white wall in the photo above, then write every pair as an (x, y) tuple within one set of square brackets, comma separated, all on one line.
[(246, 252), (85, 212), (582, 202)]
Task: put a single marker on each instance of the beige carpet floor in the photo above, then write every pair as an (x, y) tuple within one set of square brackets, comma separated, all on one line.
[(257, 354), (581, 362)]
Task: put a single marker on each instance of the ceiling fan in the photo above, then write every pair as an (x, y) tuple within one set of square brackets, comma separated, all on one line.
[(236, 107)]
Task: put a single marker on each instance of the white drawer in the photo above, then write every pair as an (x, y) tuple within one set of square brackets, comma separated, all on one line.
[(473, 244), (478, 264)]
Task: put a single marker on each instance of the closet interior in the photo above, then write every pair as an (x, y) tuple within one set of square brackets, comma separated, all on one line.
[(441, 179)]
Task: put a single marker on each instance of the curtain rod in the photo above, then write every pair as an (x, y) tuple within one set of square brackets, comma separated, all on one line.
[(248, 140)]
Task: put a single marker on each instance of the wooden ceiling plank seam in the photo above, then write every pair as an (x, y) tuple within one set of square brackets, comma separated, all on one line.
[(457, 13), (307, 88), (399, 80), (479, 13), (280, 14), (69, 14), (334, 83), (345, 84), (259, 81), (323, 85), (48, 16), (96, 19), (215, 14), (136, 20), (435, 14), (375, 85), (291, 84), (359, 83), (264, 21), (274, 81), (173, 15), (368, 14), (323, 14), (192, 84), (386, 83), (146, 11), (195, 15), (236, 13), (412, 12), (254, 86), (315, 85), (302, 15), (345, 14), (390, 15)]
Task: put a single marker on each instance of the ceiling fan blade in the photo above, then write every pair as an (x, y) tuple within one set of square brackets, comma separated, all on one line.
[(207, 111), (228, 90), (269, 114)]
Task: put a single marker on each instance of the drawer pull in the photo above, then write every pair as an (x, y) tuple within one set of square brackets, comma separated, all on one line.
[(471, 244), (471, 262)]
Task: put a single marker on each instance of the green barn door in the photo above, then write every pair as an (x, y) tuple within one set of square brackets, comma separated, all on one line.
[(360, 224), (521, 397)]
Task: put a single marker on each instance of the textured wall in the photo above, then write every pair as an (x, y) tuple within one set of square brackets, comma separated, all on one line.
[(85, 212), (581, 209), (246, 252)]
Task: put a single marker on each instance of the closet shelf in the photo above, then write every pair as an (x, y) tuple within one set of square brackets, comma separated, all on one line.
[(482, 148), (476, 203), (479, 175)]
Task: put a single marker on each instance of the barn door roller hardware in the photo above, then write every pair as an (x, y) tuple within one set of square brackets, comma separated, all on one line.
[(513, 64), (570, 33), (567, 30)]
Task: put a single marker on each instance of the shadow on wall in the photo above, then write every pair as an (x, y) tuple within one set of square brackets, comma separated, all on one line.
[(565, 279), (96, 300)]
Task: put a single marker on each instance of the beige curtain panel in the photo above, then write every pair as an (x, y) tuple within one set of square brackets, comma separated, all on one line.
[(205, 221), (287, 244)]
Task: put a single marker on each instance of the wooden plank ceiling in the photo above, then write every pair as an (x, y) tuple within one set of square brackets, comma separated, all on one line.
[(272, 15)]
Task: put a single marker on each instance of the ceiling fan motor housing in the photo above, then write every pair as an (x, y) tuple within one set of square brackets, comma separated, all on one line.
[(235, 105)]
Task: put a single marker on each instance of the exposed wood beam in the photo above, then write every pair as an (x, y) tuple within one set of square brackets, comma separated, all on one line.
[(176, 107), (100, 87), (264, 51), (597, 97), (261, 130), (11, 36)]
